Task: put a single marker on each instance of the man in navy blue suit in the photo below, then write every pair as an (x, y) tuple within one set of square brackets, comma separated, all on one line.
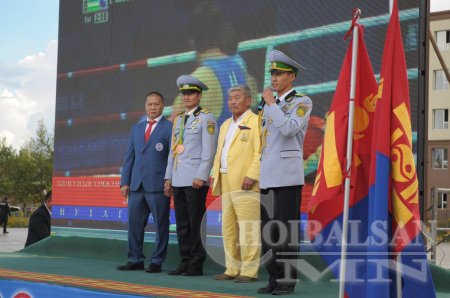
[(142, 182)]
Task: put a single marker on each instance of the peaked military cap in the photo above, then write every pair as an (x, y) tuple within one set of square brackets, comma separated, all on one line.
[(187, 82), (280, 61)]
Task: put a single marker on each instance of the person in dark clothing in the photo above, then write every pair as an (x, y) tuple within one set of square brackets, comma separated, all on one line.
[(40, 221), (5, 212)]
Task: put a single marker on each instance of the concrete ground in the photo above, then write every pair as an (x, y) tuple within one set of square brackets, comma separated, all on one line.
[(442, 255), (16, 238)]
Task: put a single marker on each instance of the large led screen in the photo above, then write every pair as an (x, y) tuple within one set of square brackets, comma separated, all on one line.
[(113, 52)]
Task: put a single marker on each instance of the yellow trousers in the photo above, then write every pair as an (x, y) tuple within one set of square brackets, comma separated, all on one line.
[(241, 225)]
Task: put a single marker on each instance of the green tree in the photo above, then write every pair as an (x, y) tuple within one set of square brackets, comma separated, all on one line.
[(24, 175), (36, 163), (26, 189), (7, 160)]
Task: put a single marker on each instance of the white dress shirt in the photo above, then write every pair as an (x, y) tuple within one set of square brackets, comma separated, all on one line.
[(190, 112), (228, 140), (157, 119), (282, 97), (49, 211)]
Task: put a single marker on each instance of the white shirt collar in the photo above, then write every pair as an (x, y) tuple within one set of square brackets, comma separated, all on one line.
[(49, 211), (190, 112), (156, 119), (240, 117), (282, 97)]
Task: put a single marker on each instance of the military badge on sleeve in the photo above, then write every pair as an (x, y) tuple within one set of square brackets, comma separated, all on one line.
[(301, 110), (211, 127)]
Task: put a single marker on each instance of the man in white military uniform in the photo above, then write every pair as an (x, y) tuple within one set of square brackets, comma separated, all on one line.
[(193, 146), (284, 121)]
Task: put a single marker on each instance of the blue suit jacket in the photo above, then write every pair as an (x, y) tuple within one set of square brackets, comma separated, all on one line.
[(145, 163)]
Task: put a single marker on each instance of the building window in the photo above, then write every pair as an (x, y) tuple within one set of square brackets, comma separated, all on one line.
[(440, 80), (440, 119), (440, 160), (442, 201), (443, 39)]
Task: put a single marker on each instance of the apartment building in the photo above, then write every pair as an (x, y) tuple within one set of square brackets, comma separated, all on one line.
[(438, 143)]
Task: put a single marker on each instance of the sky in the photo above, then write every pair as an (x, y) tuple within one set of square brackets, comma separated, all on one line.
[(438, 5), (28, 59)]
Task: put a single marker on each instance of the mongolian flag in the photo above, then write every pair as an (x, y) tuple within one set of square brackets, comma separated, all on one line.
[(396, 241), (326, 206)]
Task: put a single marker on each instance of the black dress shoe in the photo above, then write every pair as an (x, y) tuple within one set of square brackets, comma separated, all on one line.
[(267, 289), (5, 232), (192, 272), (153, 268), (131, 266), (283, 290), (182, 268)]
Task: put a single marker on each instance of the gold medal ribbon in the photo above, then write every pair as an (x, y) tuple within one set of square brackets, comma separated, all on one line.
[(177, 141), (263, 133)]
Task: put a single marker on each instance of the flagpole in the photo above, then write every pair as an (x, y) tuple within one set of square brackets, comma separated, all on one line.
[(398, 261), (398, 275), (351, 109)]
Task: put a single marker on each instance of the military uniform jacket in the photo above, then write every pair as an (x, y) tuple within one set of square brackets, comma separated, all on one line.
[(199, 141), (283, 129)]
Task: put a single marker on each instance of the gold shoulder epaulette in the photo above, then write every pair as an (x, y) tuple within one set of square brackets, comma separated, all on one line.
[(300, 94)]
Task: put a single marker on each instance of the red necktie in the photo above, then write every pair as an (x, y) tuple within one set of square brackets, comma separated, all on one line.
[(149, 129)]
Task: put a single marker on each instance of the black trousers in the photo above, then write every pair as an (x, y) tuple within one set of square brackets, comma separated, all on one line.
[(189, 211), (5, 222), (280, 215)]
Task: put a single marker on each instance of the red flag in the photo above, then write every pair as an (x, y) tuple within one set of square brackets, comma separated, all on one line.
[(328, 194), (394, 199), (393, 137)]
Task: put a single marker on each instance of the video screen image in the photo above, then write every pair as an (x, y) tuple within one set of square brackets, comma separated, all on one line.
[(93, 6), (112, 53)]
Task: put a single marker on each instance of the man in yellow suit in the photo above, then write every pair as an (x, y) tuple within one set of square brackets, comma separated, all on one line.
[(235, 177)]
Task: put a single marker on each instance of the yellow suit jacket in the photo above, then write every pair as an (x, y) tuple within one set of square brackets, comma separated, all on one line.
[(243, 157)]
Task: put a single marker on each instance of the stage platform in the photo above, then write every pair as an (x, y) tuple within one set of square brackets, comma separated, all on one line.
[(70, 266)]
